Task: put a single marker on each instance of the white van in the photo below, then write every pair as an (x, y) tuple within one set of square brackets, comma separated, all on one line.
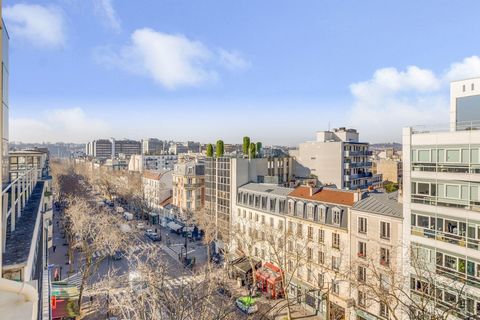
[(128, 216), (119, 210)]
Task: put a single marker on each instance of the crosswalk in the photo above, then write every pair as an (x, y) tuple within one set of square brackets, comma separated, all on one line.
[(144, 246), (75, 279)]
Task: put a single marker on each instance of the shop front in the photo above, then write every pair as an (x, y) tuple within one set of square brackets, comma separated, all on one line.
[(308, 297), (269, 281)]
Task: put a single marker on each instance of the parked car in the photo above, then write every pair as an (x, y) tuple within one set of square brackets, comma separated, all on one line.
[(247, 304), (154, 237), (141, 225)]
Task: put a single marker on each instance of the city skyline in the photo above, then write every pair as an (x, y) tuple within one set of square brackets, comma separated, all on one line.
[(235, 74)]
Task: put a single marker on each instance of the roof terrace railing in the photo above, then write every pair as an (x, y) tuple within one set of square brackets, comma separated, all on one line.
[(459, 126)]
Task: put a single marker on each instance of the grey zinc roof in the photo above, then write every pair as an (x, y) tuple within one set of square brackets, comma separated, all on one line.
[(266, 188), (381, 203)]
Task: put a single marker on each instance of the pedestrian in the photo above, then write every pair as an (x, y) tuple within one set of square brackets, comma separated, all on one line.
[(54, 248), (91, 299)]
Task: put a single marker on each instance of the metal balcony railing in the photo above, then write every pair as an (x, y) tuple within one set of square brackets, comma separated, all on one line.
[(14, 198)]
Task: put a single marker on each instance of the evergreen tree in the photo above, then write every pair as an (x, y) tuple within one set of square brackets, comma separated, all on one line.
[(220, 150), (209, 150), (246, 145)]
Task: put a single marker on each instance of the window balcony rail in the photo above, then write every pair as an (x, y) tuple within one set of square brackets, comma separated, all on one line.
[(450, 168), (357, 153), (459, 240), (435, 201), (455, 275)]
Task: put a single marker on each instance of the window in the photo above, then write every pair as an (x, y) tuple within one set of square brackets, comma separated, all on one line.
[(321, 257), (384, 282), (336, 240), (362, 274), (336, 217), (321, 236), (239, 212), (452, 191), (280, 224), (320, 280), (452, 156), (335, 287), (309, 254), (362, 249), (290, 245), (424, 155), (385, 230), (271, 222), (423, 188), (384, 310), (263, 219), (335, 263), (384, 257), (290, 226), (362, 298), (362, 225), (310, 232), (299, 229), (309, 275)]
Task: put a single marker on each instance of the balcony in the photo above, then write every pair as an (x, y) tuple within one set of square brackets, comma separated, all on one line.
[(459, 240), (24, 202)]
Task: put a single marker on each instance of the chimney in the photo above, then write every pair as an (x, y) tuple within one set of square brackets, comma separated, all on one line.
[(357, 196), (313, 190)]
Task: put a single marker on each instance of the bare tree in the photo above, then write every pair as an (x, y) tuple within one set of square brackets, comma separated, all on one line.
[(413, 290), (92, 231)]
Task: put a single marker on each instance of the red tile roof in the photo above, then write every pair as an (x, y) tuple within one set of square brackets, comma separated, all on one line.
[(335, 196)]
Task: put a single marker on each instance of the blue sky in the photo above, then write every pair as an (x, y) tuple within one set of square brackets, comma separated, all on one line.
[(203, 70)]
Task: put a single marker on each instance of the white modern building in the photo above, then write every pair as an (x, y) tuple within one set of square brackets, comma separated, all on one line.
[(335, 158), (441, 176), (140, 163)]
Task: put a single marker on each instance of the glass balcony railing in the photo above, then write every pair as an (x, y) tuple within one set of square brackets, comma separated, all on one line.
[(451, 168), (452, 203)]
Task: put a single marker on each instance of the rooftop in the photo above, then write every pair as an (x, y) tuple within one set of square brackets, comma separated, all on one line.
[(266, 188), (381, 203), (155, 175), (327, 195)]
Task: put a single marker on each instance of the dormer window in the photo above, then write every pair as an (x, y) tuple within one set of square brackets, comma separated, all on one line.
[(336, 213), (322, 211)]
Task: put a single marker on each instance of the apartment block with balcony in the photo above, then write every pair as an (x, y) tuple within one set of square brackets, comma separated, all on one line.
[(23, 160), (189, 187), (157, 187), (140, 162), (153, 146), (442, 202), (335, 158)]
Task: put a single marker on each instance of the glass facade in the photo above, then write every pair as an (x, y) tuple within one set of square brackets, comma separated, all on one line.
[(468, 111)]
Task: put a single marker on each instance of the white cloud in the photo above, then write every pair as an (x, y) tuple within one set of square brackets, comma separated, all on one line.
[(71, 125), (41, 25), (171, 60), (233, 60), (105, 9), (393, 99), (468, 68)]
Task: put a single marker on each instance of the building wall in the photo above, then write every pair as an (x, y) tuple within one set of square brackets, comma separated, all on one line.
[(189, 186), (441, 205), (373, 261), (5, 104), (390, 169)]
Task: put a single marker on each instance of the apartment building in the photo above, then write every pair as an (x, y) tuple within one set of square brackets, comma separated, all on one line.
[(376, 251), (222, 178), (157, 187), (390, 169), (318, 223), (140, 162), (178, 148), (304, 233), (335, 158), (152, 146), (22, 161), (100, 149), (189, 186), (126, 148), (279, 170), (442, 204)]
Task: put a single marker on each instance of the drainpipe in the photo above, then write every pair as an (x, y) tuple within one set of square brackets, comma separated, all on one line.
[(24, 289)]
